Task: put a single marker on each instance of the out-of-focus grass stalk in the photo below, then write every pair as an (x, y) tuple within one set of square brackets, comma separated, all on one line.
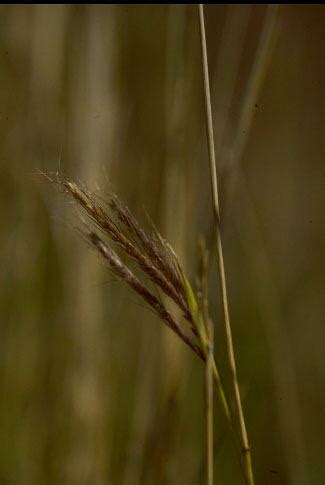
[(216, 212), (261, 61), (90, 85), (230, 52), (175, 190), (290, 416), (262, 57), (290, 420)]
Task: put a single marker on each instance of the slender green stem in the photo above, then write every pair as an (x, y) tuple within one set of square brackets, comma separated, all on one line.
[(221, 392), (209, 328), (226, 409), (223, 401), (209, 405), (222, 276)]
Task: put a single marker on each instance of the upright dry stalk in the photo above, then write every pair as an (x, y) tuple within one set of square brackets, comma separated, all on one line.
[(216, 213), (209, 403), (209, 364)]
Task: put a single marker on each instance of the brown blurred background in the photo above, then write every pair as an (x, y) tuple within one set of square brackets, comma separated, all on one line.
[(94, 390)]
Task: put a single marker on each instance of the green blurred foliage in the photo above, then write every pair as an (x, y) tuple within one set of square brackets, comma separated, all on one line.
[(93, 388)]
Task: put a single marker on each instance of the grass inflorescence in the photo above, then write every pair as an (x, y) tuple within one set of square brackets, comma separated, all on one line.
[(119, 238), (153, 256)]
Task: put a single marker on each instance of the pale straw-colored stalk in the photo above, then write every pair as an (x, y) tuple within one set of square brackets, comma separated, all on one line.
[(222, 276), (209, 403), (208, 364)]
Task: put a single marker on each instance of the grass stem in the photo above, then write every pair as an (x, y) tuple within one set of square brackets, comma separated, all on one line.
[(208, 324), (209, 404), (222, 276)]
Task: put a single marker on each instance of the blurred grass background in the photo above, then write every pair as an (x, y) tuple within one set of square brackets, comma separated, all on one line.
[(93, 388)]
